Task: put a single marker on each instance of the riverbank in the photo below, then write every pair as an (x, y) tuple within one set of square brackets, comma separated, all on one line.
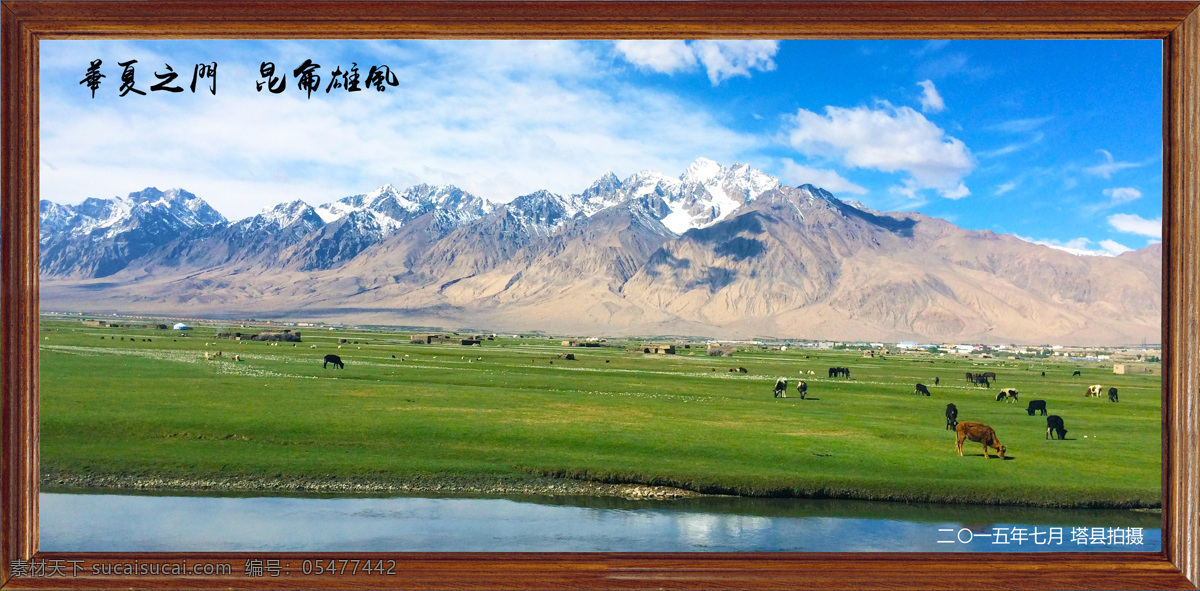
[(342, 486), (519, 486)]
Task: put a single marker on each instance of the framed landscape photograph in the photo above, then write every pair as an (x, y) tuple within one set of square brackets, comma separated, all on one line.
[(603, 295)]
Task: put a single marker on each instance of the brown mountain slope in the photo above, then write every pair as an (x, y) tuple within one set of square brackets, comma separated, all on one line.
[(793, 263)]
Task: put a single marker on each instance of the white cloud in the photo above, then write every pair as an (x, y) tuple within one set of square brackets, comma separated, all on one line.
[(830, 180), (496, 122), (931, 47), (725, 59), (1020, 125), (889, 139), (1034, 140), (1109, 166), (1004, 188), (1114, 247), (721, 59), (1082, 246), (664, 57), (1122, 195), (931, 101), (1135, 224)]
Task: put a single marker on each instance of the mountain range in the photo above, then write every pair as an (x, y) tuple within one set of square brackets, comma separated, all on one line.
[(725, 252)]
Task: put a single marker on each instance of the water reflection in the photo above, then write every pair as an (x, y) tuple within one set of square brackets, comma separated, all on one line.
[(134, 523)]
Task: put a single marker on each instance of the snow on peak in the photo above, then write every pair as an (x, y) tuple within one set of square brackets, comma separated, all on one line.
[(701, 171), (283, 215), (391, 208)]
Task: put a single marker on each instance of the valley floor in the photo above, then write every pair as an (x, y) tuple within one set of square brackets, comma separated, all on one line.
[(143, 409)]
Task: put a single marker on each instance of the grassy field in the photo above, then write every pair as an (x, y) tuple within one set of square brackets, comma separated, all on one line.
[(137, 408)]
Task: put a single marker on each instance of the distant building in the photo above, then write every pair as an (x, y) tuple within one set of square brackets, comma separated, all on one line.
[(721, 350), (665, 350), (425, 339), (471, 342), (180, 326), (1118, 368), (868, 353)]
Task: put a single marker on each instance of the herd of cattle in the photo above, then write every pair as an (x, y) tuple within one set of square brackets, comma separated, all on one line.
[(970, 430)]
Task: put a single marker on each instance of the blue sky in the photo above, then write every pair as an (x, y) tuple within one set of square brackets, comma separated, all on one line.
[(1058, 142)]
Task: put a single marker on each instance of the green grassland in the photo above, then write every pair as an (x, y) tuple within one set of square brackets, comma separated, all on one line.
[(137, 408)]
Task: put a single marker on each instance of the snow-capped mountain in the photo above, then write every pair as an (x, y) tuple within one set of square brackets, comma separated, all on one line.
[(708, 193), (391, 208), (717, 250), (98, 237), (296, 219)]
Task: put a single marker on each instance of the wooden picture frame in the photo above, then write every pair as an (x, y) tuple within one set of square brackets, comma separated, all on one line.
[(1176, 23)]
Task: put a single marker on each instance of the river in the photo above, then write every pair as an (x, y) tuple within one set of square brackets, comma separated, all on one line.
[(73, 522)]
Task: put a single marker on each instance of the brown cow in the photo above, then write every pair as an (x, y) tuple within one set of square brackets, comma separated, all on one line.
[(981, 433), (1093, 391)]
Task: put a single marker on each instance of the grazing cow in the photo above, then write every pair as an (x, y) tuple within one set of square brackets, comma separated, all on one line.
[(1076, 373), (1043, 374), (802, 388), (951, 416), (1008, 395), (937, 381), (1112, 394), (834, 371), (237, 357), (980, 433), (970, 377), (570, 357), (991, 375), (982, 381), (781, 388), (742, 370), (1055, 423), (1035, 406), (1093, 390), (921, 389), (335, 360)]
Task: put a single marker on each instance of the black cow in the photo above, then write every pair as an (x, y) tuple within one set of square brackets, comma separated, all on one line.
[(742, 370), (802, 388), (1112, 394), (937, 381), (335, 360), (1043, 374), (921, 389), (1055, 423), (951, 416), (1036, 405), (1076, 373), (982, 381), (839, 371), (781, 388)]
